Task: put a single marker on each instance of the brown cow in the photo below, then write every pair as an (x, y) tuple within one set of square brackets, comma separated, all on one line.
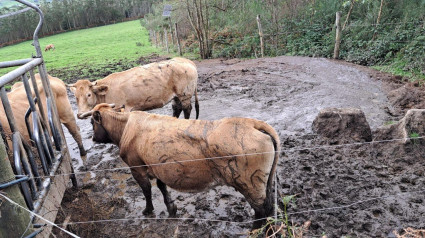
[(19, 103), (242, 153), (143, 88), (49, 47)]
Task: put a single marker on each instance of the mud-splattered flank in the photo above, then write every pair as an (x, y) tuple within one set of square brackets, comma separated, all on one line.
[(287, 93)]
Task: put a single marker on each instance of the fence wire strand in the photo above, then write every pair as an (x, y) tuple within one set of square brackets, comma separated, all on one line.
[(237, 155), (40, 217)]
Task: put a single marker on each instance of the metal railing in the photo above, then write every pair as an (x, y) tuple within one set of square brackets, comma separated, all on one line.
[(44, 130)]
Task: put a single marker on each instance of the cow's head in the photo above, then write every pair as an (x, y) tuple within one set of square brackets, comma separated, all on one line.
[(100, 134), (87, 94)]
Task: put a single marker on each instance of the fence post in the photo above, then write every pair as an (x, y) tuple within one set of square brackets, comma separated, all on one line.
[(166, 40), (13, 221), (260, 32), (338, 35), (154, 38), (178, 39)]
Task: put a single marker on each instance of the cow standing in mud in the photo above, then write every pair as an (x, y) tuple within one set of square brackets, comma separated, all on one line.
[(19, 103), (242, 153), (143, 88)]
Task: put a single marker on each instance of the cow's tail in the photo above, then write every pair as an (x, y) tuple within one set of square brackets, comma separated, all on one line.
[(269, 203), (196, 103)]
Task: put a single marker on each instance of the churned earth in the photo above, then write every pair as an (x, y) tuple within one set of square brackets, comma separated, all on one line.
[(356, 190)]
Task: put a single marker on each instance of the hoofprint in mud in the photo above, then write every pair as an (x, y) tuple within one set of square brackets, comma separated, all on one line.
[(342, 184)]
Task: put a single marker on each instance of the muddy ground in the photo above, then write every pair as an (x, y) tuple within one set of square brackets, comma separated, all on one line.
[(339, 182)]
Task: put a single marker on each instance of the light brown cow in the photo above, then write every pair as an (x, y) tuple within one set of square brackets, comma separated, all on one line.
[(49, 47), (242, 153), (143, 88), (19, 103)]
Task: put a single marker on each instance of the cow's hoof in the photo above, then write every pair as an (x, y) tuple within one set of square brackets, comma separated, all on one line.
[(172, 210), (148, 211), (83, 152)]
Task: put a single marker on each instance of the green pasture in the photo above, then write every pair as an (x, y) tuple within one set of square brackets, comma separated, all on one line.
[(88, 53)]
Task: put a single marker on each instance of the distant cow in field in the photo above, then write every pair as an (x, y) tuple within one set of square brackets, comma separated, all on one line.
[(242, 153), (49, 47), (143, 88), (19, 103)]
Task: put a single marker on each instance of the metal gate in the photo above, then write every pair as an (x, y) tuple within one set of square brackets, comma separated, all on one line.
[(34, 170)]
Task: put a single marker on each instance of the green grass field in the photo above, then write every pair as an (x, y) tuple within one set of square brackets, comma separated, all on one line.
[(88, 53)]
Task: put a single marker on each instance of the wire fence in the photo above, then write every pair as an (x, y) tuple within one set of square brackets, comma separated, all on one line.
[(323, 147)]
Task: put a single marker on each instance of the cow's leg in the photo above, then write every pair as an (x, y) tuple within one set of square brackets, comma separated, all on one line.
[(187, 107), (74, 130), (67, 118), (145, 184), (171, 207), (177, 107)]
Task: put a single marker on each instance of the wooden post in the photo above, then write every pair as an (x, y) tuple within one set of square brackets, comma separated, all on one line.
[(171, 32), (260, 32), (166, 40), (178, 39), (338, 35), (154, 38), (13, 220)]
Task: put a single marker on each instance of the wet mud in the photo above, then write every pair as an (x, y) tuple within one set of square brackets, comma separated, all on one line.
[(360, 190)]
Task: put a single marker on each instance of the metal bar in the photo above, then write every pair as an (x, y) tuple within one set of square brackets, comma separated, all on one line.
[(56, 135), (37, 94), (11, 183), (16, 73), (15, 13), (37, 133), (37, 138), (13, 63), (27, 123), (40, 24), (17, 160), (27, 169), (33, 164), (8, 109), (35, 233), (29, 93), (46, 185)]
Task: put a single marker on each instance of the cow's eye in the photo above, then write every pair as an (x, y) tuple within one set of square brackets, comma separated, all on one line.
[(89, 95)]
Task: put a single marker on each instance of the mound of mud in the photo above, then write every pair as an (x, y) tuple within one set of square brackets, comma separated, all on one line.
[(342, 125)]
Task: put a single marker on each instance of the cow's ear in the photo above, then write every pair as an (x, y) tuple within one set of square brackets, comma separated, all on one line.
[(100, 90), (97, 117)]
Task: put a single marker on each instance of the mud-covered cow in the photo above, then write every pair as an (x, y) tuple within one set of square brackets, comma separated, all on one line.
[(143, 88), (243, 154), (19, 103)]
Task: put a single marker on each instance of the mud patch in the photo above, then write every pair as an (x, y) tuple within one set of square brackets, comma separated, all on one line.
[(345, 190)]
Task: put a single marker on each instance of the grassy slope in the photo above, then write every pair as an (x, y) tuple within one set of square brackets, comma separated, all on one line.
[(87, 50)]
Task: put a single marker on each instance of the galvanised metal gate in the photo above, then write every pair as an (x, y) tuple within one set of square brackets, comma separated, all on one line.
[(45, 131)]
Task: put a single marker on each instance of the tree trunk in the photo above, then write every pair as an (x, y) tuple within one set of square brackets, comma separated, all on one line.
[(13, 221)]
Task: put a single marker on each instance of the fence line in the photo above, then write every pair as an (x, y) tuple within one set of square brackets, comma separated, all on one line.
[(240, 222), (288, 32), (230, 156), (35, 214), (238, 155)]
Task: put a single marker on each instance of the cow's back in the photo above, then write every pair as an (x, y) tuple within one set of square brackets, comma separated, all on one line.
[(152, 85)]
